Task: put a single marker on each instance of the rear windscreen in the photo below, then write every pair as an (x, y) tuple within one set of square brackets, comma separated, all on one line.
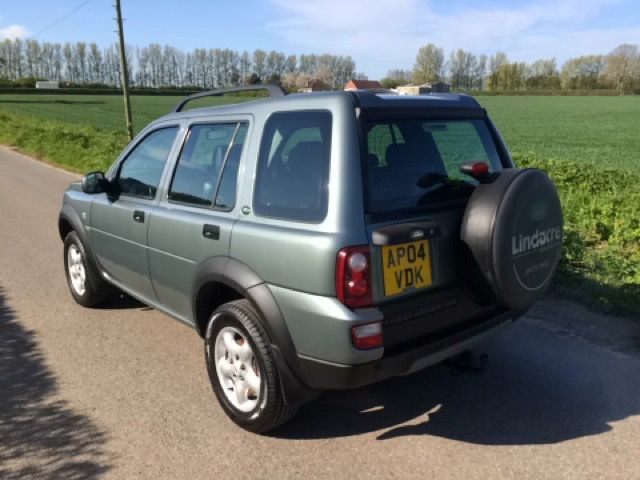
[(411, 163)]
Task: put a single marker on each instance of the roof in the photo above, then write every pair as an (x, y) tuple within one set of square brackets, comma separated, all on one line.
[(430, 100), (363, 84), (364, 99)]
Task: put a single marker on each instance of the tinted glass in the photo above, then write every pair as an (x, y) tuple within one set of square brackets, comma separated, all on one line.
[(141, 171), (226, 197), (200, 163), (416, 162), (293, 166)]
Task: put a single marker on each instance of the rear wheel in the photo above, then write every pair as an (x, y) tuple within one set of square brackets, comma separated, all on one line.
[(85, 285), (242, 370)]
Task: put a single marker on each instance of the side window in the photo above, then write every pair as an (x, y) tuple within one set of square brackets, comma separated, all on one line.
[(293, 167), (201, 162), (141, 171), (226, 197)]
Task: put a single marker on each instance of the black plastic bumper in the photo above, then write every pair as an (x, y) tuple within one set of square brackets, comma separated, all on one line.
[(332, 376)]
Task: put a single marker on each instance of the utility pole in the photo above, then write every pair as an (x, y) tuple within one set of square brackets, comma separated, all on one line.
[(124, 73)]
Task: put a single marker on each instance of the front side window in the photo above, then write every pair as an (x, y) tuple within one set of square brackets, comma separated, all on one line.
[(412, 163), (293, 166), (202, 161), (142, 169)]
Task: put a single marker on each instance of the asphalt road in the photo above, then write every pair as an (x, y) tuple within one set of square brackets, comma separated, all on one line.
[(122, 391)]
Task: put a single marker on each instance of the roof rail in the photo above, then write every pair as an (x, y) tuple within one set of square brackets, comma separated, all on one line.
[(274, 91)]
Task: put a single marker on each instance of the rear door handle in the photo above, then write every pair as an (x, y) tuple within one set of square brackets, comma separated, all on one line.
[(212, 232), (138, 216)]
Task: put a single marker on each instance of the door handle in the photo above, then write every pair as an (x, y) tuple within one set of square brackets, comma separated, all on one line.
[(138, 216), (212, 232)]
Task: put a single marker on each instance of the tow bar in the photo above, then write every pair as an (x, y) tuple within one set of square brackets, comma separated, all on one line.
[(467, 362)]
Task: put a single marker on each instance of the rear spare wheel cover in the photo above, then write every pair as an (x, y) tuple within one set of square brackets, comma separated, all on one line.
[(513, 227), (527, 239)]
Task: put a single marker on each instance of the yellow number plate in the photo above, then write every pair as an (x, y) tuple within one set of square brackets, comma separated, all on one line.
[(406, 266)]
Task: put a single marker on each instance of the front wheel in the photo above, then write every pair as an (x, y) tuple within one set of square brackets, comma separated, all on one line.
[(242, 370), (86, 286)]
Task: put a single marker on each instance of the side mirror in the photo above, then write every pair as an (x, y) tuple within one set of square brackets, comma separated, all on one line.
[(94, 182)]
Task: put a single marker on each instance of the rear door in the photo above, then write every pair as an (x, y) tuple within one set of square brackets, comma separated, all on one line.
[(416, 199), (194, 219)]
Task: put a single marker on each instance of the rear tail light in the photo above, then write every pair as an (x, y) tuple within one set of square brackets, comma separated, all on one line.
[(367, 336), (353, 276)]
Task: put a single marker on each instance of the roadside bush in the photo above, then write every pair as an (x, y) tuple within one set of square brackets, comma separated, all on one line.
[(601, 258), (76, 148)]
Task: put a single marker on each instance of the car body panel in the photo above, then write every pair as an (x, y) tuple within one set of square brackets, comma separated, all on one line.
[(285, 268)]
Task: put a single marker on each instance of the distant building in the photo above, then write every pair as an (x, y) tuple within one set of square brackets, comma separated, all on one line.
[(439, 87), (314, 85), (363, 85), (47, 84)]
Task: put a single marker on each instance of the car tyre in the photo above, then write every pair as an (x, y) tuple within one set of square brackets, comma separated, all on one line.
[(242, 370), (85, 284)]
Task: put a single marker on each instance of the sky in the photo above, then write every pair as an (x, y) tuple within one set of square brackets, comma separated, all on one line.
[(378, 35)]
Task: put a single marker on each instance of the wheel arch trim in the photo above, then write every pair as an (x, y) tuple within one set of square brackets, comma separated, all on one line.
[(238, 276)]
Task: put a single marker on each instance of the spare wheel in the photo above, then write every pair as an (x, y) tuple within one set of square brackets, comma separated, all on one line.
[(513, 230)]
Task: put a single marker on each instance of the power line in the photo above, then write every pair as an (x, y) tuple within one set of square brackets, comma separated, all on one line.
[(61, 19)]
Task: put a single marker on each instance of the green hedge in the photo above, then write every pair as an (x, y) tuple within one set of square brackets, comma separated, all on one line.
[(601, 258), (94, 91)]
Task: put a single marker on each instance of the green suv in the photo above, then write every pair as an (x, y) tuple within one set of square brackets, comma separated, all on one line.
[(317, 241)]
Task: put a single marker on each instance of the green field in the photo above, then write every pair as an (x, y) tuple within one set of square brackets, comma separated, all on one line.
[(603, 131), (99, 111), (590, 146)]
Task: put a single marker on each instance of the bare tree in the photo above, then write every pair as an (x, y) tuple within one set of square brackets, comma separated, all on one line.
[(245, 65), (622, 67), (259, 63), (429, 66)]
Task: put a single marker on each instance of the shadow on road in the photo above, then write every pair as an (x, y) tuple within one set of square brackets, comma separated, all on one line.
[(122, 301), (539, 388), (41, 436)]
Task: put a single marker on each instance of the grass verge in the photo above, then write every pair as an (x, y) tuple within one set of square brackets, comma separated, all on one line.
[(73, 147)]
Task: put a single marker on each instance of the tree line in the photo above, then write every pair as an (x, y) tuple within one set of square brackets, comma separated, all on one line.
[(156, 66), (465, 71)]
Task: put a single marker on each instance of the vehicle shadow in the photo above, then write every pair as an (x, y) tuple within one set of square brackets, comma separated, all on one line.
[(538, 388), (121, 301), (40, 435)]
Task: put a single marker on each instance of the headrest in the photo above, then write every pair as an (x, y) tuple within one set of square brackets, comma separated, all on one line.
[(399, 155)]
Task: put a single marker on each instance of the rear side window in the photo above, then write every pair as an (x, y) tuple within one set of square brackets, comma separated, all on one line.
[(416, 162), (210, 152), (141, 171), (293, 167)]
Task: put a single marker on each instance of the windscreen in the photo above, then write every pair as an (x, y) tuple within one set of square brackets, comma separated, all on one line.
[(413, 163)]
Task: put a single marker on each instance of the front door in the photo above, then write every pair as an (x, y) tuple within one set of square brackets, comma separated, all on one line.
[(119, 221), (193, 221)]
